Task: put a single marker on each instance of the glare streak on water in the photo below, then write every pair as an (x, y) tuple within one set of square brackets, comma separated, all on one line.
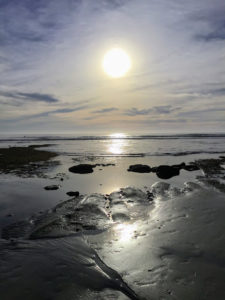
[(118, 145)]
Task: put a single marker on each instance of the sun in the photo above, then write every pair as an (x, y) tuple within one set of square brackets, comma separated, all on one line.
[(116, 63)]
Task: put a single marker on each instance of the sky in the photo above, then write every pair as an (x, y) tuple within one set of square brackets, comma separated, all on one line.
[(52, 80)]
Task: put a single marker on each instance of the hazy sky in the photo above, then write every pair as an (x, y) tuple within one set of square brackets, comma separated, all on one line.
[(52, 80)]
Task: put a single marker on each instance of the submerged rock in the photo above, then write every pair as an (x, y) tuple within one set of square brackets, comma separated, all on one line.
[(211, 166), (191, 167), (51, 187), (82, 169), (73, 194), (139, 168), (191, 186), (120, 217), (160, 188), (132, 194)]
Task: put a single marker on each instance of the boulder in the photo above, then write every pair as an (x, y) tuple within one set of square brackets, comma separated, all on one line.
[(82, 169), (167, 172), (139, 168)]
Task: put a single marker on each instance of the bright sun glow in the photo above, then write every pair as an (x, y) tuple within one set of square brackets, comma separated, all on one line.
[(116, 63), (118, 135)]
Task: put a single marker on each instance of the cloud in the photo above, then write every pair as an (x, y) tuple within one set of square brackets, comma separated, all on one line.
[(58, 111), (28, 21), (135, 111), (202, 91), (158, 121), (217, 92), (37, 97), (212, 24), (48, 113), (104, 110), (163, 109), (216, 35), (140, 88), (202, 111)]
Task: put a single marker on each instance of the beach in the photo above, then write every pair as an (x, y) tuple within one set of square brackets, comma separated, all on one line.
[(102, 217)]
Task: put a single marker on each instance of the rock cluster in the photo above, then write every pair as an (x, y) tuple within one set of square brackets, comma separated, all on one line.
[(163, 171)]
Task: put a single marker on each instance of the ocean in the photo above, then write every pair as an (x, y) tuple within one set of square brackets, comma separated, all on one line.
[(120, 145)]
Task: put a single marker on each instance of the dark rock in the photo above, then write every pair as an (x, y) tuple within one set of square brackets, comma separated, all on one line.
[(51, 187), (179, 166), (211, 166), (191, 167), (154, 169), (139, 168), (73, 194), (82, 169), (166, 172)]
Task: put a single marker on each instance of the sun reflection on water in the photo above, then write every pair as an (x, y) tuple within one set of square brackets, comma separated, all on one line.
[(125, 232), (116, 147), (117, 144)]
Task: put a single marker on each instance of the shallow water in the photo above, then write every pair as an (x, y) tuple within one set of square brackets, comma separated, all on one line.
[(21, 197)]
